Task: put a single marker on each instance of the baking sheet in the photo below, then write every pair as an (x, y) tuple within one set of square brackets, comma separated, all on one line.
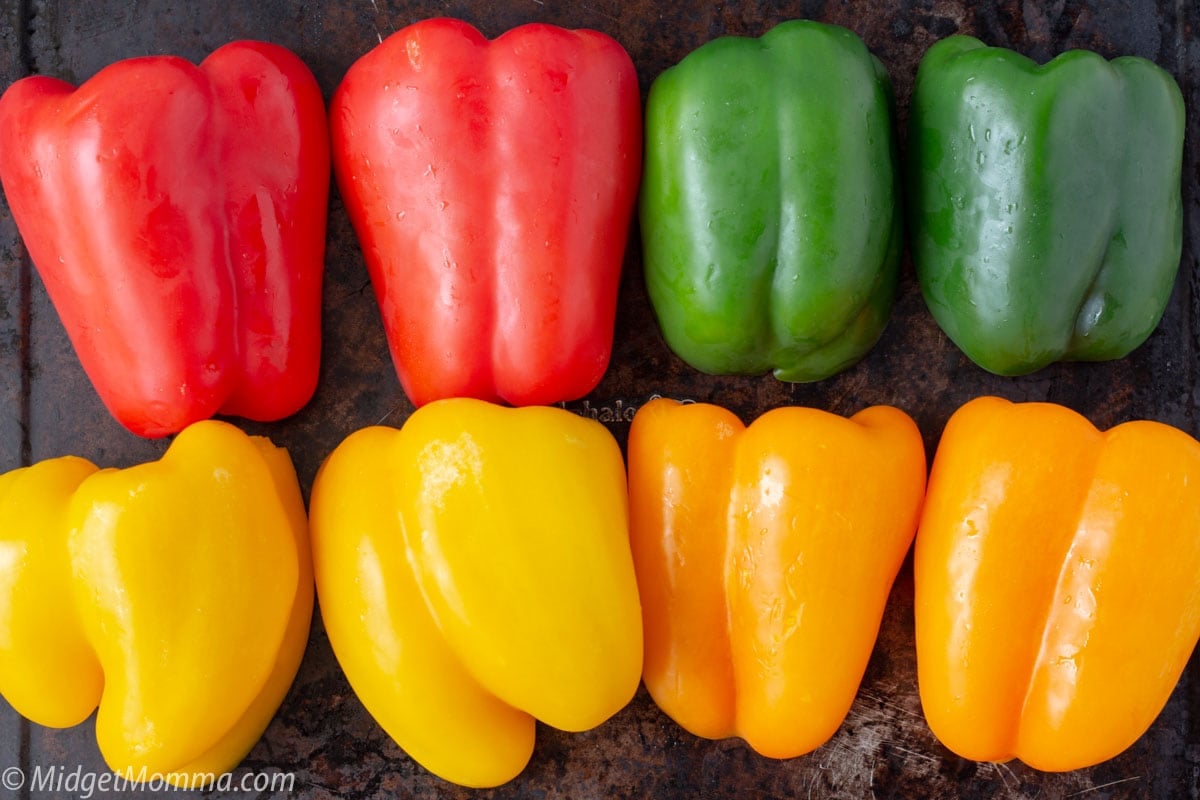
[(322, 735)]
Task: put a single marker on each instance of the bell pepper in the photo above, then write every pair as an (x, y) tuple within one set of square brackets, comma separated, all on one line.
[(1046, 216), (764, 557), (177, 217), (491, 185), (769, 207), (175, 595), (1057, 582), (474, 574)]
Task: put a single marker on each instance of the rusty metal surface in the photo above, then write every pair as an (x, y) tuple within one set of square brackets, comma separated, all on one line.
[(322, 734)]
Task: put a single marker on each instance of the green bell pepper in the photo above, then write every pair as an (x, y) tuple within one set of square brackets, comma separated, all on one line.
[(1045, 201), (769, 206)]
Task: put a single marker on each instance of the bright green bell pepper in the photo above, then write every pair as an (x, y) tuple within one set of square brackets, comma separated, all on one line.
[(769, 206), (1046, 219)]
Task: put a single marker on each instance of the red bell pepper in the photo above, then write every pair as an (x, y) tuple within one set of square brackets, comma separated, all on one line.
[(491, 185), (177, 217)]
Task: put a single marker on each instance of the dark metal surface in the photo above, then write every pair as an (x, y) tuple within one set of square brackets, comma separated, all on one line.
[(322, 733)]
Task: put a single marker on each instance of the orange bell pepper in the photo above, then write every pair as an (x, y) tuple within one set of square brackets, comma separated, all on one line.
[(1057, 574), (764, 557)]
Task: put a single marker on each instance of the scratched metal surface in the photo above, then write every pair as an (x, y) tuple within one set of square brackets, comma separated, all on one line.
[(322, 733)]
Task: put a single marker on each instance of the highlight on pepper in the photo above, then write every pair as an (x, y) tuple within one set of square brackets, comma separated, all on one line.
[(1057, 575), (474, 576), (765, 555), (175, 595)]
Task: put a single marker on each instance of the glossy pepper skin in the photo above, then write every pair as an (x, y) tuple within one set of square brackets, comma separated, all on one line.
[(1057, 575), (474, 575), (175, 595), (491, 185), (1046, 217), (764, 558), (176, 214), (769, 205)]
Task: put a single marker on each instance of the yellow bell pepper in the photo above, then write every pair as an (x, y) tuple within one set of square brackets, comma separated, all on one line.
[(175, 595), (474, 574), (1057, 582), (765, 555)]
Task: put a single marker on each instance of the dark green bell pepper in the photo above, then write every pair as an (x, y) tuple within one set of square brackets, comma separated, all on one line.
[(1046, 220), (769, 207)]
